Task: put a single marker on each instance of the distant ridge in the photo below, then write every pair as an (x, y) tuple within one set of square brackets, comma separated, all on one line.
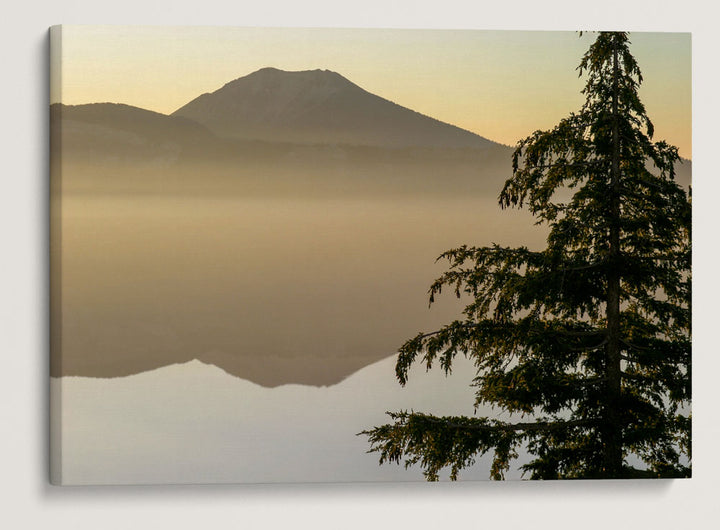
[(320, 107), (132, 120)]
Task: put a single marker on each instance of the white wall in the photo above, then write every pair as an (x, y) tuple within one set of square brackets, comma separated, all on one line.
[(27, 500)]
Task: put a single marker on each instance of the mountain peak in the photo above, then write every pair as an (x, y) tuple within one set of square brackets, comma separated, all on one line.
[(272, 71), (289, 81), (317, 107)]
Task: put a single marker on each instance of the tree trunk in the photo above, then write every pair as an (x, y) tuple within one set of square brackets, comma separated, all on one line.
[(613, 457)]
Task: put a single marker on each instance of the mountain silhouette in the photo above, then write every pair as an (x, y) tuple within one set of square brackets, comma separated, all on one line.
[(321, 107), (273, 132)]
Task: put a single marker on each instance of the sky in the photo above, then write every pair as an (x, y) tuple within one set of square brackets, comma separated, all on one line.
[(502, 85)]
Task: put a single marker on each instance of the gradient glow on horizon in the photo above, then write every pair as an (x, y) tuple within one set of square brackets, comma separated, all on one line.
[(502, 85)]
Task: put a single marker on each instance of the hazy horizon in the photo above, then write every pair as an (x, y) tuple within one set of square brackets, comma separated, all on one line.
[(275, 290)]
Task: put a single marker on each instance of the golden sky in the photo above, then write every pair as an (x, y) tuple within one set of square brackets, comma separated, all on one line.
[(502, 85)]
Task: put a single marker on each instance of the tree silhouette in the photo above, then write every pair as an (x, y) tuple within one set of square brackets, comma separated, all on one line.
[(588, 340)]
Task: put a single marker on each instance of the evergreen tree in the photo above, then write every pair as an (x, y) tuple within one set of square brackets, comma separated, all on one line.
[(588, 340)]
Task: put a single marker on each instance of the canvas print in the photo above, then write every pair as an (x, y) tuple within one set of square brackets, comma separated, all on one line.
[(342, 255)]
